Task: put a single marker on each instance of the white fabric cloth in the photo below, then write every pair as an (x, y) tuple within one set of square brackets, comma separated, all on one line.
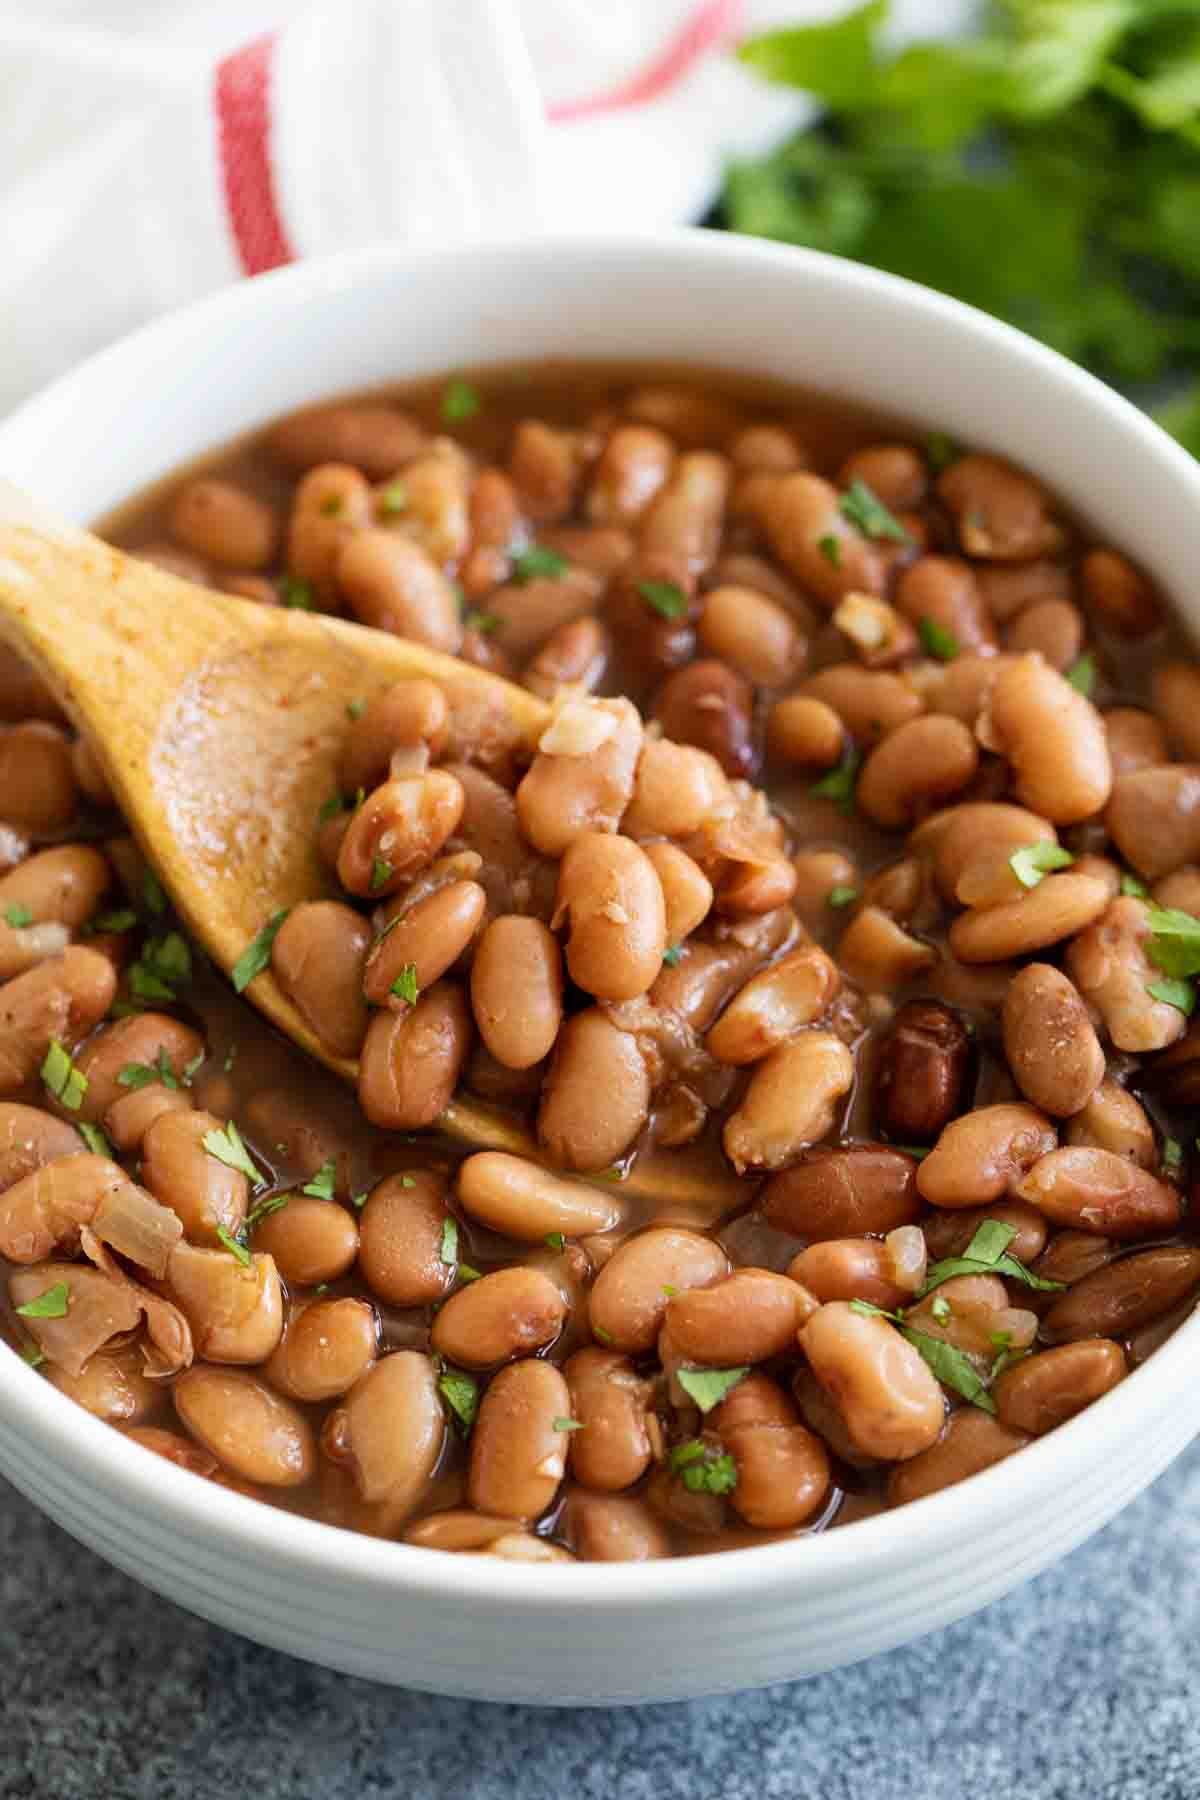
[(148, 156)]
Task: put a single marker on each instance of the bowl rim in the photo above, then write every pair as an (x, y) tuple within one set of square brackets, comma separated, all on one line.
[(95, 1453)]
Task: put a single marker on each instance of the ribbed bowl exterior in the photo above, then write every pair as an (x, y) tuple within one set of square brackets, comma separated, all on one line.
[(592, 1634)]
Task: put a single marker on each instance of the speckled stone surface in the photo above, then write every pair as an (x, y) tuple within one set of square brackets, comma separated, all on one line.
[(1084, 1685)]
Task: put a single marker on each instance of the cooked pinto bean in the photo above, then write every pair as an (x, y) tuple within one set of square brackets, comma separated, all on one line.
[(389, 1433), (948, 1233), (1124, 1295), (678, 787), (891, 1403), (1001, 514), (799, 513), (224, 523), (1122, 597), (1136, 739), (209, 1196), (1054, 740), (375, 439), (753, 634), (1057, 908), (1153, 818), (411, 1061), (592, 1056), (774, 1005), (398, 830), (331, 504), (1054, 628), (112, 1386), (611, 902), (605, 1528), (1096, 1190), (1114, 1120), (400, 1239), (1051, 1047), (516, 990), (518, 1452), (804, 730), (235, 1310), (611, 1404), (582, 777), (523, 1201), (1042, 1391), (629, 1297), (252, 1431), (971, 1441), (65, 998), (686, 890), (575, 654), (984, 1155), (791, 1101), (879, 955), (844, 1191), (709, 704), (942, 591), (37, 779), (510, 1313), (850, 1269), (148, 1040), (1114, 974), (921, 1072), (869, 702), (318, 957), (327, 1347), (631, 470), (749, 1317), (917, 765), (426, 940), (312, 1240), (782, 1473), (409, 716)]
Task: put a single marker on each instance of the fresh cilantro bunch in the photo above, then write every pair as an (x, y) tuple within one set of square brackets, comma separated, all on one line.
[(1046, 170)]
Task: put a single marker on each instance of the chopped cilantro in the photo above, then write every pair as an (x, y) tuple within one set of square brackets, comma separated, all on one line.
[(1173, 991), (265, 1208), (1032, 861), (1175, 940), (952, 1367), (381, 874), (987, 1253), (672, 954), (554, 1240), (64, 1080), (323, 1182), (139, 1075), (567, 1424), (1172, 1156), (449, 1250), (164, 966), (461, 1394), (941, 451), (297, 594), (331, 808), (50, 1305), (408, 1181), (257, 954), (33, 1356), (405, 985), (393, 498), (482, 622), (1082, 674), (467, 1274), (840, 783), (460, 401), (18, 916), (154, 893), (937, 640), (830, 549), (122, 919), (331, 505), (601, 1336), (537, 560), (865, 509), (230, 1058), (1132, 887), (914, 1150), (355, 709), (664, 597), (702, 1468), (233, 1246), (842, 896), (191, 1067), (227, 1146), (94, 1138), (708, 1387), (940, 1308)]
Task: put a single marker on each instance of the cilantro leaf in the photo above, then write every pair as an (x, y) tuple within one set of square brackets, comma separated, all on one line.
[(64, 1080), (1173, 991), (405, 985), (671, 955), (449, 1250), (94, 1138), (297, 594), (708, 1387), (257, 954), (842, 896), (275, 1203), (381, 873), (667, 599), (234, 1247), (1135, 889), (18, 916), (554, 1240), (123, 918), (863, 507), (840, 783), (1082, 673), (460, 401), (830, 549), (227, 1146), (937, 640), (702, 1468), (537, 560), (567, 1425), (393, 498), (941, 451), (49, 1305), (1175, 940), (322, 1184), (952, 1367), (1032, 861), (153, 893), (461, 1394)]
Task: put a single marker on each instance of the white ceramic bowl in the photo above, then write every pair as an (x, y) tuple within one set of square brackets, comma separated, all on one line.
[(592, 1634)]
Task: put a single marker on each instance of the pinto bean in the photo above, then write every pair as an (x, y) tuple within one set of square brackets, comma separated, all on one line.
[(1057, 908), (207, 1195), (1122, 597), (710, 705), (592, 1056), (748, 1317), (1180, 889), (1124, 1295), (948, 1233), (221, 521), (398, 830), (632, 469), (1153, 818), (687, 892), (805, 731), (328, 1347), (921, 1071), (150, 1039), (112, 1386), (331, 504), (849, 1190), (611, 1403), (850, 1269), (575, 654), (318, 958), (608, 1528), (583, 775), (753, 634), (393, 584), (943, 591), (1043, 1391), (610, 899), (427, 940), (798, 513), (64, 997), (790, 1103), (63, 885), (783, 1473), (628, 1301), (37, 779), (774, 1005), (1001, 514), (677, 789), (1136, 739), (411, 1061), (916, 766), (685, 518), (879, 955), (523, 1201), (375, 438), (958, 837), (1113, 972), (891, 1403), (971, 1441), (1054, 740), (508, 1314), (409, 715), (517, 989), (250, 1430), (895, 473), (31, 1138), (235, 1311), (311, 1240), (1051, 1047), (1054, 628), (400, 1238), (1096, 1190), (1114, 1120), (518, 1456), (389, 1433), (869, 702), (547, 467), (528, 613), (984, 1155)]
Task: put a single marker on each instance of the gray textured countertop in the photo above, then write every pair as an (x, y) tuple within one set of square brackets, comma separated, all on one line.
[(1084, 1685)]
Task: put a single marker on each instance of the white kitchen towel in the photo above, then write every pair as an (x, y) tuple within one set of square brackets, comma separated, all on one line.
[(138, 172)]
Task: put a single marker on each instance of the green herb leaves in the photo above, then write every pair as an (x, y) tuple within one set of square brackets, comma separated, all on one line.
[(708, 1387), (702, 1468), (986, 1254), (842, 896), (50, 1305), (1032, 861), (537, 560), (1174, 947), (840, 783), (64, 1080), (449, 1250), (460, 401), (234, 1246), (1082, 674), (937, 640), (322, 1184), (461, 1394), (164, 966), (863, 507), (18, 916), (257, 954), (297, 594), (227, 1146), (381, 873), (405, 985), (669, 601), (951, 1366)]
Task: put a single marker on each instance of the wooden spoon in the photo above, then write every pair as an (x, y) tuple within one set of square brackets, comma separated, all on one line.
[(218, 724)]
